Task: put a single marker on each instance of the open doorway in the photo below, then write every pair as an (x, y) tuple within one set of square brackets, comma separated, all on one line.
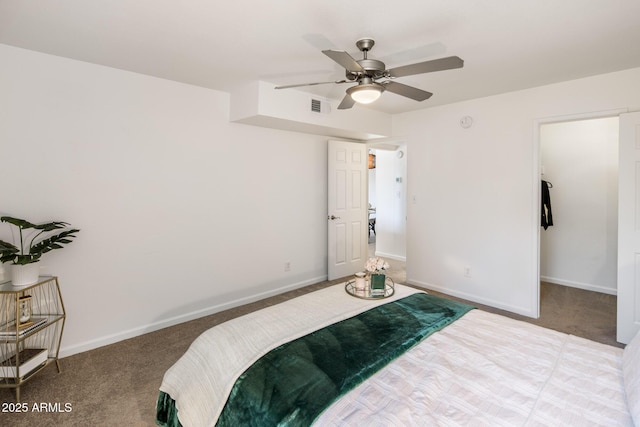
[(388, 204), (579, 163), (578, 247), (372, 201)]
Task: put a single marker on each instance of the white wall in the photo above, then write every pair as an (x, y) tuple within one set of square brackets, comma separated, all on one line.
[(391, 208), (580, 159), (181, 212), (474, 193)]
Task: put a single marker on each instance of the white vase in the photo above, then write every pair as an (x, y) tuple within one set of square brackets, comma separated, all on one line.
[(23, 275)]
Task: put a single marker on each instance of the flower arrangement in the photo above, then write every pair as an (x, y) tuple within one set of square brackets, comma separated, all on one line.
[(376, 265)]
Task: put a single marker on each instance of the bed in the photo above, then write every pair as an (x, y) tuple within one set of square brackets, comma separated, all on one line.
[(461, 366)]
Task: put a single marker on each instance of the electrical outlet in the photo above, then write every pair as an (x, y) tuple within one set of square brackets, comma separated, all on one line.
[(467, 271), (287, 266)]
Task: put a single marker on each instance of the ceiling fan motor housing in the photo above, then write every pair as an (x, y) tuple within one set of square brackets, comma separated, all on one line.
[(373, 67)]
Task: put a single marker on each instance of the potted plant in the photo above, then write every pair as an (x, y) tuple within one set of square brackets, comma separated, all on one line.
[(34, 240)]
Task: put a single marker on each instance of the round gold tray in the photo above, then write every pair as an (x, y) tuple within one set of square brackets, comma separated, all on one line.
[(367, 293)]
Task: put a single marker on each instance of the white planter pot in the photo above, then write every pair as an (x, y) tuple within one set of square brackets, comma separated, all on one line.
[(23, 275)]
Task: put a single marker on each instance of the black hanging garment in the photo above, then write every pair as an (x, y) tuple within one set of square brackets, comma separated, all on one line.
[(547, 217)]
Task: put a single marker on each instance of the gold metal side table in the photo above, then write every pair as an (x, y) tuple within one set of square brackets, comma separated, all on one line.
[(32, 320)]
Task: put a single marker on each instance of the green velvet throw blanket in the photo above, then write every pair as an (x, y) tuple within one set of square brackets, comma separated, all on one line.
[(293, 383)]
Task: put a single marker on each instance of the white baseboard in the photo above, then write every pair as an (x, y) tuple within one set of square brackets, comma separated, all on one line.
[(391, 256), (474, 298), (579, 285), (145, 329)]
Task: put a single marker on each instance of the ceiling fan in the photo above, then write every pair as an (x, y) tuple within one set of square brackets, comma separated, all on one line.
[(373, 78)]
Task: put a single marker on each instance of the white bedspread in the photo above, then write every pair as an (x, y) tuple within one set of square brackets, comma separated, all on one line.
[(482, 370), (489, 370), (202, 378)]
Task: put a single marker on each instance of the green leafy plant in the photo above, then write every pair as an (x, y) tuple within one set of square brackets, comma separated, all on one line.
[(33, 244)]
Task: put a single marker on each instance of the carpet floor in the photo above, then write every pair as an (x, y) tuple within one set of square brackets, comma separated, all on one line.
[(117, 385)]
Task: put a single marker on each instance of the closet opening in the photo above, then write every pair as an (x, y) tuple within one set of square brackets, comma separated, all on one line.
[(578, 238)]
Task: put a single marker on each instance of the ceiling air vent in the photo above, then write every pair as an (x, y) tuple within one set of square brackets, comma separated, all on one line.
[(318, 106)]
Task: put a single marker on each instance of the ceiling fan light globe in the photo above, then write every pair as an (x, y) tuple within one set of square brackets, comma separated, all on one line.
[(365, 94)]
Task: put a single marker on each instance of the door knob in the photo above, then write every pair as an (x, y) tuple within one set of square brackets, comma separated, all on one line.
[(332, 217)]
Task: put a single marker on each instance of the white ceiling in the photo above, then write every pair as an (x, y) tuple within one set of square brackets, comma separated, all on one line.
[(506, 44)]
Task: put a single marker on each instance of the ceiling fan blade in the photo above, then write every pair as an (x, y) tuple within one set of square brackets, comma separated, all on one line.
[(408, 91), (347, 102), (311, 84), (345, 60), (427, 67)]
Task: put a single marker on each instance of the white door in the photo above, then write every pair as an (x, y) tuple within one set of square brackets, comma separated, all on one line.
[(629, 228), (348, 213)]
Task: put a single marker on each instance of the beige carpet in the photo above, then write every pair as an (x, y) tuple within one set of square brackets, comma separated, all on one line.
[(117, 385)]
